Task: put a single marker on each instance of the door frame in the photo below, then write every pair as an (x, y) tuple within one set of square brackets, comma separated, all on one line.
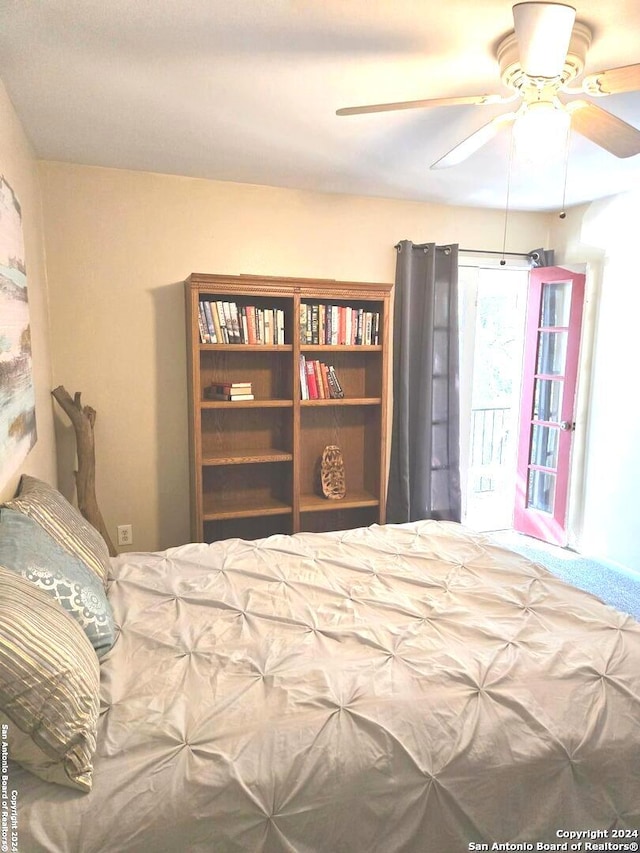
[(473, 269), (550, 527)]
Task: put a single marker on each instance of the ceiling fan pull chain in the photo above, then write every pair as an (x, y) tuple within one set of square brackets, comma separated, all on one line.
[(563, 212), (506, 208)]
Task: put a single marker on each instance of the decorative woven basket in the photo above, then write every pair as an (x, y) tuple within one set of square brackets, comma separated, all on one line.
[(332, 473)]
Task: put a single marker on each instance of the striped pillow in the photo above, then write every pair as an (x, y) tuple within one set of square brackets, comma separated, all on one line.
[(49, 685), (63, 522)]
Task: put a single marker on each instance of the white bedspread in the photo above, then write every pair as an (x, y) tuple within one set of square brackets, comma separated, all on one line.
[(402, 688)]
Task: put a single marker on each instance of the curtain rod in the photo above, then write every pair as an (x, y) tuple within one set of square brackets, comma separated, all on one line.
[(489, 252), (533, 255), (477, 251)]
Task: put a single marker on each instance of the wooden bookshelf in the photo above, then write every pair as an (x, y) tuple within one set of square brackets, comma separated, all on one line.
[(254, 463)]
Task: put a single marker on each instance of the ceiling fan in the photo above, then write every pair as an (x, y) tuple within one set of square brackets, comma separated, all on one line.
[(538, 61)]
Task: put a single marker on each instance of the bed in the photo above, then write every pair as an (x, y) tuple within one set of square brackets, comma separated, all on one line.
[(409, 688)]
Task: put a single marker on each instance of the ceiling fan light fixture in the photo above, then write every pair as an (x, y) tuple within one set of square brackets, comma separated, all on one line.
[(539, 61), (540, 132), (512, 73), (544, 32)]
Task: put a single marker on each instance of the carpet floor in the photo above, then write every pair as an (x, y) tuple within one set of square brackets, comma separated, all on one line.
[(613, 584)]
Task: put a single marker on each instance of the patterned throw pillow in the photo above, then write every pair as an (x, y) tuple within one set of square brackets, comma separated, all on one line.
[(49, 685), (27, 549), (63, 522)]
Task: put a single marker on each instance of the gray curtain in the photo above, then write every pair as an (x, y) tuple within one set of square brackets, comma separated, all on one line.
[(424, 476)]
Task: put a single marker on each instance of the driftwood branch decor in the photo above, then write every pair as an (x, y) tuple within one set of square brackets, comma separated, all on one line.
[(83, 419)]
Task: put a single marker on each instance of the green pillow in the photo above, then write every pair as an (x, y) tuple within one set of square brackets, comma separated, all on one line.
[(27, 549)]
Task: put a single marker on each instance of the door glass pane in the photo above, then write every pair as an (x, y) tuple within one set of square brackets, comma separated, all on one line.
[(556, 304), (441, 304), (544, 446), (552, 353), (541, 491), (547, 400)]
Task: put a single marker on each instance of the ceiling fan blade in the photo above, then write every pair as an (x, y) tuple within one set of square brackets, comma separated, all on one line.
[(543, 31), (429, 102), (606, 130), (613, 81), (474, 142)]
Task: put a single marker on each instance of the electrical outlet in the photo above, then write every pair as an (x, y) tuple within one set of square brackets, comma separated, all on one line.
[(125, 534)]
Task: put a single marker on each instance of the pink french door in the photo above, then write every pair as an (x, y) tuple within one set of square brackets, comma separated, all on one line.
[(550, 372)]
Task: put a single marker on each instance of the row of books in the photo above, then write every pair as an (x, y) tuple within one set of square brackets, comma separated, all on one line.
[(336, 325), (318, 381), (222, 390), (224, 322)]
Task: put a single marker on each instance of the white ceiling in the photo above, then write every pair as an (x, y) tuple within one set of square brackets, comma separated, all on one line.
[(246, 90)]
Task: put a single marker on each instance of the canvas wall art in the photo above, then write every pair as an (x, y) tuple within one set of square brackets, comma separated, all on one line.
[(17, 395)]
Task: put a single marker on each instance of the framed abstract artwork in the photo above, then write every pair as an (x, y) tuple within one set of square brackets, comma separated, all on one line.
[(17, 395)]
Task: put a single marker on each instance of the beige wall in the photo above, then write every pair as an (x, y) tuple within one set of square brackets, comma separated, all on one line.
[(120, 244), (19, 168)]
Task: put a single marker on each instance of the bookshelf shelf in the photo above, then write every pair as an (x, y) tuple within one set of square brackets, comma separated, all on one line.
[(246, 456), (343, 401), (339, 348), (261, 348), (315, 503), (217, 509), (246, 404), (253, 463)]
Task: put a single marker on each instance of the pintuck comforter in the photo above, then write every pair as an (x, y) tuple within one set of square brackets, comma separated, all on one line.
[(404, 688)]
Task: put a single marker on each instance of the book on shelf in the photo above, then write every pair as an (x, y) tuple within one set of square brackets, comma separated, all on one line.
[(311, 380), (224, 321), (218, 312), (233, 325), (230, 397), (322, 324), (227, 384), (213, 337), (318, 381), (335, 388), (324, 377), (280, 325), (216, 323), (244, 324), (304, 388), (205, 337), (205, 324), (224, 390), (268, 326), (252, 336)]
